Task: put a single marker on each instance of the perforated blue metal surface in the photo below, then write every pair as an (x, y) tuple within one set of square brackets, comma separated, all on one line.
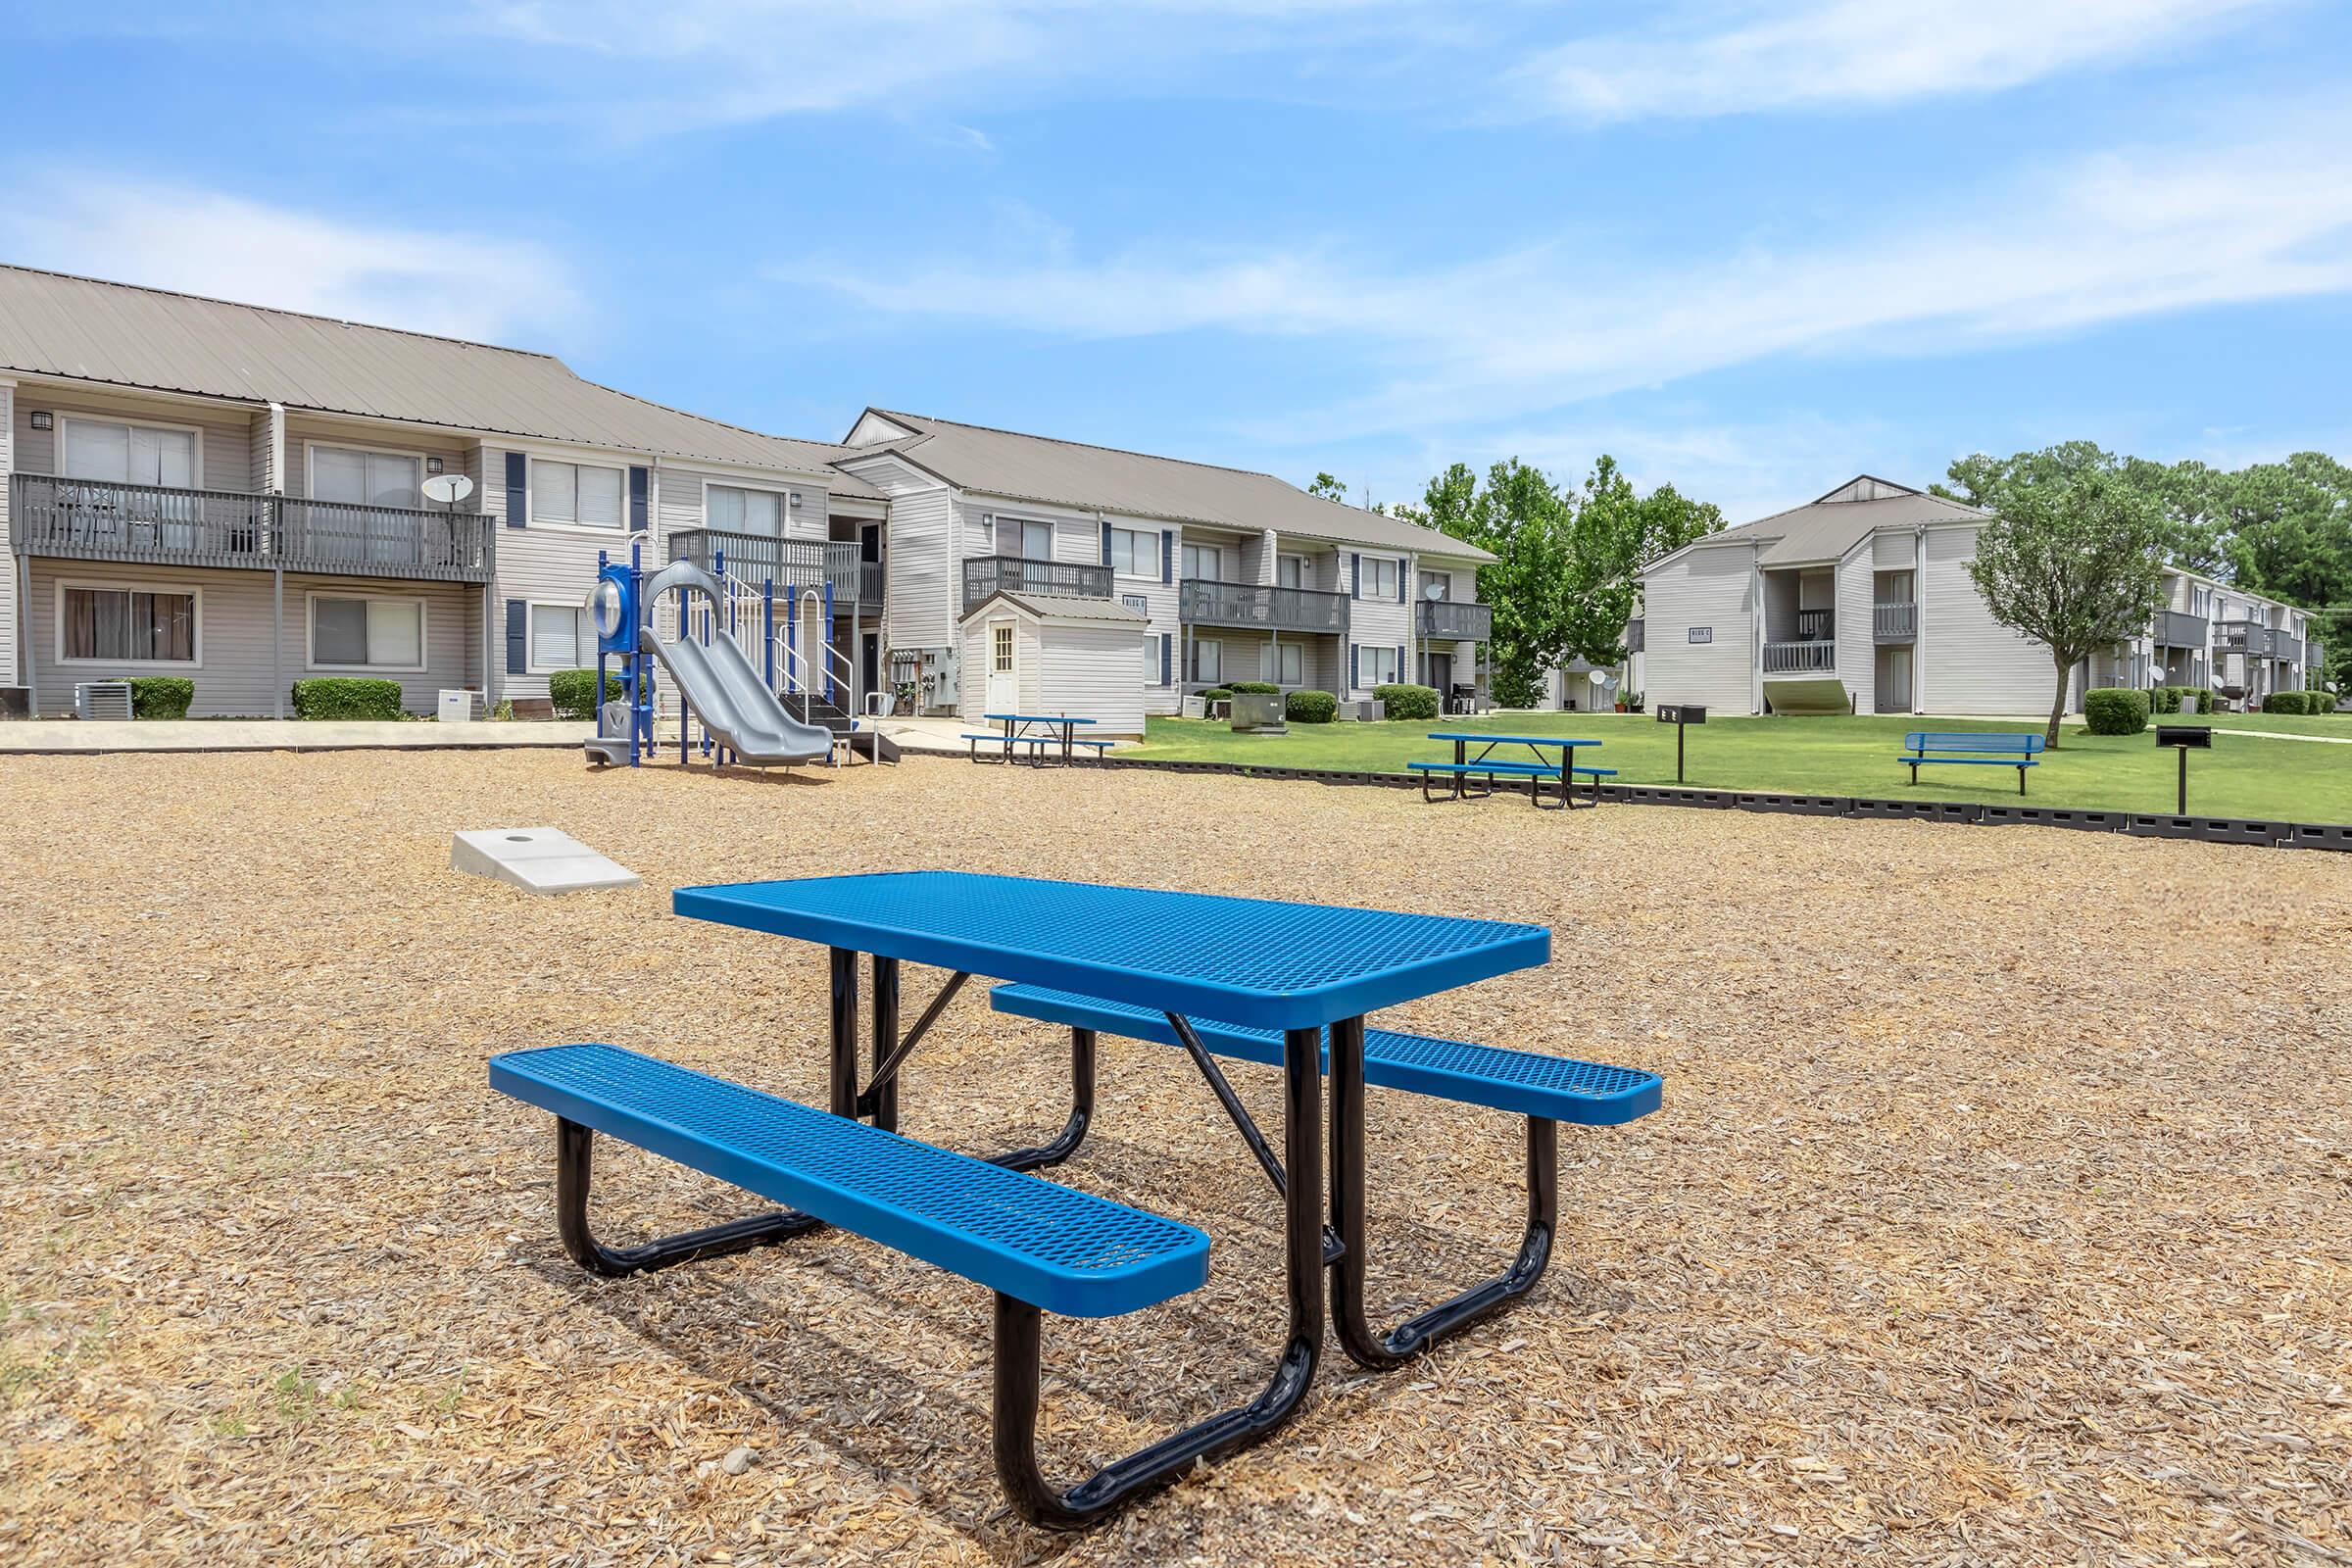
[(1064, 1250), (1243, 961), (1971, 741), (1524, 1082)]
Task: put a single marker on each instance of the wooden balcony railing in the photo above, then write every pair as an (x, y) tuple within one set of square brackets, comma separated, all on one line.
[(793, 564), (1457, 621), (1800, 658), (1894, 622), (90, 520), (1017, 574), (1260, 606)]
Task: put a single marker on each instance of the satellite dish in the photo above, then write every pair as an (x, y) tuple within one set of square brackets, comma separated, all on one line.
[(1435, 590), (448, 488)]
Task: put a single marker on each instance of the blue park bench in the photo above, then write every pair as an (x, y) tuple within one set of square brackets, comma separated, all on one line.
[(1975, 748)]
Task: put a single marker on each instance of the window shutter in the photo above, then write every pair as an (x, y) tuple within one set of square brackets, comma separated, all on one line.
[(1401, 563), (519, 659), (637, 491), (518, 471), (1167, 660), (1351, 664), (1167, 559), (1399, 677), (1106, 544), (1355, 590)]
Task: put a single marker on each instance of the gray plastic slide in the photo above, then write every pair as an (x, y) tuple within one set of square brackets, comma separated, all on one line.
[(720, 685)]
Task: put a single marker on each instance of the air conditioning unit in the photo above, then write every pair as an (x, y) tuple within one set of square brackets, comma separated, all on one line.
[(102, 699)]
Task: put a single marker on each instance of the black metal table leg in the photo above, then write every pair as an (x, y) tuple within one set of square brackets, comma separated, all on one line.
[(1018, 1342), (1366, 1346), (1082, 1113), (886, 1037), (576, 1146), (842, 1067)]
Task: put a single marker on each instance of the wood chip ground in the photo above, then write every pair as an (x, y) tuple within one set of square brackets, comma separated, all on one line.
[(2000, 1210)]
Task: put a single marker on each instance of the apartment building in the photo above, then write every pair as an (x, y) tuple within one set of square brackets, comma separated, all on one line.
[(1236, 575), (239, 494), (1861, 602)]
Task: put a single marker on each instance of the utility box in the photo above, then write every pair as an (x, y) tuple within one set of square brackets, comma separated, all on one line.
[(456, 706), (1258, 713), (16, 702), (1681, 714)]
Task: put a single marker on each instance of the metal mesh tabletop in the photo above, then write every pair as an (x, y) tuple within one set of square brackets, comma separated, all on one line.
[(1244, 961)]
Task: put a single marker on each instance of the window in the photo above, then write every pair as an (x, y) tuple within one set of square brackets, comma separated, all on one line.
[(1206, 561), (1375, 666), (743, 510), (561, 638), (1134, 553), (1436, 585), (1289, 571), (581, 494), (125, 625), (1290, 664), (366, 478), (348, 634), (130, 454), (1209, 662), (1018, 537), (1376, 577), (1000, 650)]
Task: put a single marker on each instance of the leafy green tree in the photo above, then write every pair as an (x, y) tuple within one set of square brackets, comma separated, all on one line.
[(1329, 487), (2073, 557), (2291, 536), (1612, 534)]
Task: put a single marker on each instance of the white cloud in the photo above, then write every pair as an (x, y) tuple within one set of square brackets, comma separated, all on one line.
[(1853, 53), (228, 247), (2105, 238)]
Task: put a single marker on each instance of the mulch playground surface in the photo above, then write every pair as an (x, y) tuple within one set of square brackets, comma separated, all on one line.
[(2000, 1210)]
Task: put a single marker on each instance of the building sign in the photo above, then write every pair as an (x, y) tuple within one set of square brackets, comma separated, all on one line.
[(1703, 634)]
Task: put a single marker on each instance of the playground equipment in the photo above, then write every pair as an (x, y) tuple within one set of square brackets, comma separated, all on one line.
[(741, 716)]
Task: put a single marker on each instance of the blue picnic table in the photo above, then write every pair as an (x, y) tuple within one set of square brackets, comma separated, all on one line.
[(1040, 732), (1538, 767), (1281, 983)]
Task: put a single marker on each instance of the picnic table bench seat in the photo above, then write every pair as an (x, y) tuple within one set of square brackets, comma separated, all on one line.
[(1052, 1247), (1523, 1083), (1975, 748)]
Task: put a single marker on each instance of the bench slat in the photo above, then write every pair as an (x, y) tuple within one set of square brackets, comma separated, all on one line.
[(1515, 770), (1557, 1088), (1057, 1249)]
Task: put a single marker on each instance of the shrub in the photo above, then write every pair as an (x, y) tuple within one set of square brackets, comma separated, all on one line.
[(1255, 688), (2116, 710), (160, 695), (1306, 706), (2164, 699), (1407, 701), (347, 696), (2180, 694), (1217, 694), (573, 692)]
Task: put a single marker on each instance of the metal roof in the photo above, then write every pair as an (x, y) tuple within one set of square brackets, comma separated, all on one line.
[(1136, 484), (1063, 607), (52, 323)]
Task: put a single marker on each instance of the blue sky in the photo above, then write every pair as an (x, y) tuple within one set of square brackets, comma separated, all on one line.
[(1747, 248)]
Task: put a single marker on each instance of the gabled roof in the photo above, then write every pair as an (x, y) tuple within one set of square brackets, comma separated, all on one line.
[(1065, 607), (1071, 473), (53, 324), (1827, 528)]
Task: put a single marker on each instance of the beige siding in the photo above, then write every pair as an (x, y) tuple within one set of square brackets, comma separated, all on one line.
[(233, 634), (10, 569), (224, 445), (920, 565), (1703, 587), (540, 564), (1093, 671), (1967, 661), (1383, 622), (682, 504), (1858, 635), (304, 432)]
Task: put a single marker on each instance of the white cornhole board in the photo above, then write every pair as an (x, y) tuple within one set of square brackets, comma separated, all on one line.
[(537, 859)]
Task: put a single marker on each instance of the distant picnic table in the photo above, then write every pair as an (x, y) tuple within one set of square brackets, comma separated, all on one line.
[(1040, 732), (1542, 769)]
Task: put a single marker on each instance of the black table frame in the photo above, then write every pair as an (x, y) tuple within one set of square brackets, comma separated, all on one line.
[(1311, 1249)]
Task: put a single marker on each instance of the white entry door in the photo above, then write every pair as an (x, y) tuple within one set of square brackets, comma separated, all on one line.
[(1003, 674)]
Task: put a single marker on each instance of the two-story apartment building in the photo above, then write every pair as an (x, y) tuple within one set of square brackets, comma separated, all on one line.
[(236, 494), (240, 495), (1861, 602), (1238, 576)]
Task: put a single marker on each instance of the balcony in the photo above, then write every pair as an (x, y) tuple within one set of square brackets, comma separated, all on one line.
[(1017, 574), (2249, 637), (2314, 655), (794, 564), (2176, 630), (1260, 606), (1811, 658), (1815, 625), (83, 520), (1894, 622), (2290, 649), (1457, 621)]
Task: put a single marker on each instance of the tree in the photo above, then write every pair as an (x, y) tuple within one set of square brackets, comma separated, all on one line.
[(2073, 557), (2291, 536), (1329, 487), (1613, 535)]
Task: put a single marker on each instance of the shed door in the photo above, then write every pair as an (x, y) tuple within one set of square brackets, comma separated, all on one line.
[(1003, 671)]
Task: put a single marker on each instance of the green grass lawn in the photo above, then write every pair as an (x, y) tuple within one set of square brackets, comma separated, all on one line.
[(2240, 776)]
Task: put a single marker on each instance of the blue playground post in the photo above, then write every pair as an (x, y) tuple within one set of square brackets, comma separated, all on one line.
[(827, 611)]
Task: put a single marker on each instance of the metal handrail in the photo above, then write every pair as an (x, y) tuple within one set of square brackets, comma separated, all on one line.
[(984, 575), (1802, 658), (1208, 601), (1894, 619)]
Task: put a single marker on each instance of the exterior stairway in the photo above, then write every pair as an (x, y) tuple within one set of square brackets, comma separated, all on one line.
[(870, 744)]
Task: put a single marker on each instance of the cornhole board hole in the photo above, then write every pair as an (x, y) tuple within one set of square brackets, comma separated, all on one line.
[(536, 860)]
